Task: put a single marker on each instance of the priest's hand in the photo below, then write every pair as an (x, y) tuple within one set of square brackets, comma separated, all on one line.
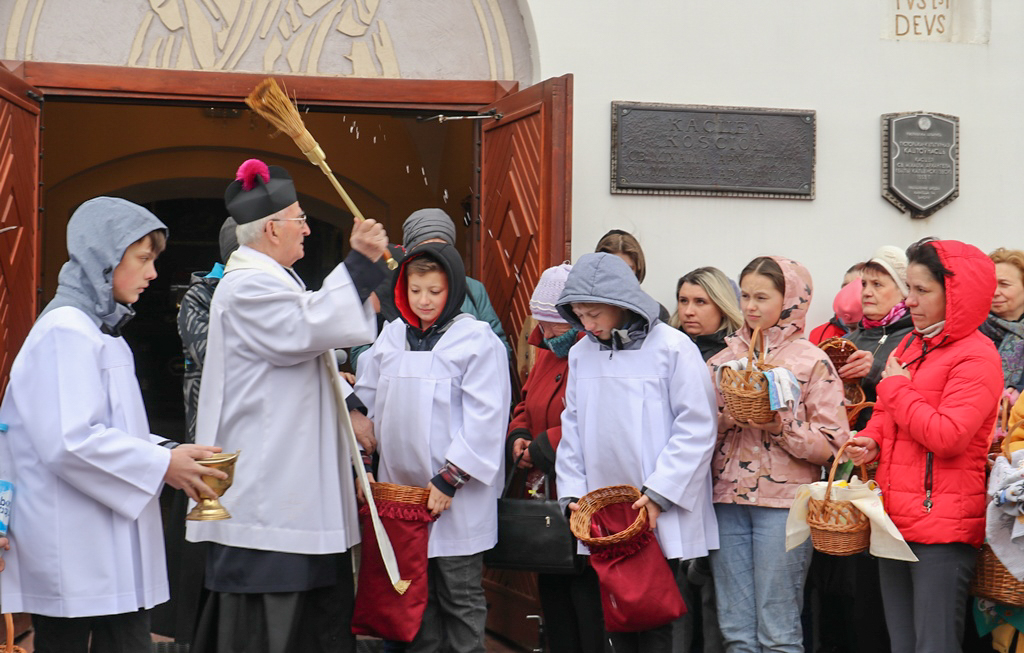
[(438, 501), (652, 509), (363, 427), (369, 239), (184, 473), (6, 546)]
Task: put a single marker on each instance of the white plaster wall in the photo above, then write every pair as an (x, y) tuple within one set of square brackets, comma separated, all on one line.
[(825, 56)]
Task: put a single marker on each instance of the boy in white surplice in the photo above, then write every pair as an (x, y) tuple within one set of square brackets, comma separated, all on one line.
[(87, 554), (639, 411), (437, 386)]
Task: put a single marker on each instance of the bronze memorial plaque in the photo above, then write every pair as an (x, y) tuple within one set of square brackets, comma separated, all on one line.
[(920, 161), (676, 149)]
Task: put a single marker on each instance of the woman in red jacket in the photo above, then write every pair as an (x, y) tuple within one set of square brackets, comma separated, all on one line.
[(930, 432), (572, 606)]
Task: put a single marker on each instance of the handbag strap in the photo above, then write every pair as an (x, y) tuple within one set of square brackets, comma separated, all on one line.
[(512, 472)]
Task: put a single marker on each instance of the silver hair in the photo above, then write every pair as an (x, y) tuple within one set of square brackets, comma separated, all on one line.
[(249, 232)]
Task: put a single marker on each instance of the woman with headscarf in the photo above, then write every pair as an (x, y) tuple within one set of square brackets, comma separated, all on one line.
[(930, 434)]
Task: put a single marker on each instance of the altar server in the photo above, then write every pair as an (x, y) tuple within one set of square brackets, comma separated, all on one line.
[(437, 386), (280, 569), (639, 411), (87, 554)]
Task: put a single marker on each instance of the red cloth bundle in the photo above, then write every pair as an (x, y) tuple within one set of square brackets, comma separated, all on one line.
[(638, 589), (380, 611)]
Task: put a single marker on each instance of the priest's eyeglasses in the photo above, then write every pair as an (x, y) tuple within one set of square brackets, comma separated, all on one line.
[(301, 218)]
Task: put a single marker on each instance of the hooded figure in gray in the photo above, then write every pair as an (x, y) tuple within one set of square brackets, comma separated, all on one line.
[(99, 233), (603, 278)]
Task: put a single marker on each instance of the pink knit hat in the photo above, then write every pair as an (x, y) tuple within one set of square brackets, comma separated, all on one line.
[(547, 292), (847, 305)]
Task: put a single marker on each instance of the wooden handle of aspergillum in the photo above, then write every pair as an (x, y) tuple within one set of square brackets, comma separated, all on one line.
[(317, 157)]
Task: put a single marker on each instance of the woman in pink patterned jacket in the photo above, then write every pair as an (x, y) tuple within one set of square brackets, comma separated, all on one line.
[(757, 467)]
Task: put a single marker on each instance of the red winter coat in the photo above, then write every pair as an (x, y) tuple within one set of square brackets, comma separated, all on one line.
[(933, 429), (538, 416)]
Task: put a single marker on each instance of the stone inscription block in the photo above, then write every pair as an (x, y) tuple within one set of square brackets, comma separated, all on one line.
[(920, 157), (673, 149)]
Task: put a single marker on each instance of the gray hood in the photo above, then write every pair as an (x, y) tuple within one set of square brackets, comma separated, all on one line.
[(99, 232), (605, 279)]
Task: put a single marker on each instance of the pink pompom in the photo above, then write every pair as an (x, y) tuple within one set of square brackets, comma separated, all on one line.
[(247, 173)]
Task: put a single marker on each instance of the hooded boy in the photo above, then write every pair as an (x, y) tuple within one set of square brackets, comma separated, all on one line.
[(639, 406), (87, 556), (437, 386)]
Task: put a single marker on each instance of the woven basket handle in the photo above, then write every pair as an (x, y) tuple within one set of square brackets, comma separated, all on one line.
[(1004, 414), (835, 466), (750, 351), (9, 625)]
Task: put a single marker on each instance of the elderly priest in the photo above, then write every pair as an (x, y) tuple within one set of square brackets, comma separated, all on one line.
[(280, 570)]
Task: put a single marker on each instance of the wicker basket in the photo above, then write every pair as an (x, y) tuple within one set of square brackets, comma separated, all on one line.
[(838, 528), (10, 647), (745, 392), (838, 350), (993, 581), (590, 503), (399, 493)]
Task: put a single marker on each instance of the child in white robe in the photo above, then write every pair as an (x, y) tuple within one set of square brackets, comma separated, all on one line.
[(639, 411), (87, 555), (436, 385)]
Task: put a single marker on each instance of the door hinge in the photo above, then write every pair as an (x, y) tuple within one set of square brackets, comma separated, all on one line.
[(492, 113), (32, 95)]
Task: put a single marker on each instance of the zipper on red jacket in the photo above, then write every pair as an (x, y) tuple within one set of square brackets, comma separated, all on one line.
[(928, 483)]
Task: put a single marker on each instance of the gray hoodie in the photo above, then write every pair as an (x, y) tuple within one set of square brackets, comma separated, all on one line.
[(603, 278), (99, 233)]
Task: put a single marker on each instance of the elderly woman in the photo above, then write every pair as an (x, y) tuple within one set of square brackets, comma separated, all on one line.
[(707, 309), (1004, 324), (930, 433), (886, 319)]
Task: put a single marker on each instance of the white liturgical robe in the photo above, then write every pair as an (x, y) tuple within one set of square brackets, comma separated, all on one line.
[(86, 536), (644, 417), (447, 404), (266, 392)]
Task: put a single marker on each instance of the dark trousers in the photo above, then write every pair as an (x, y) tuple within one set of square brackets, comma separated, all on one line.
[(573, 621), (656, 640), (924, 601), (313, 621), (115, 633)]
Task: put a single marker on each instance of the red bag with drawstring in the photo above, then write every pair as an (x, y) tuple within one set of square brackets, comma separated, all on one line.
[(380, 611), (638, 589)]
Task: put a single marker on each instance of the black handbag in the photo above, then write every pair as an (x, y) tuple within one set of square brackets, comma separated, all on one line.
[(533, 535)]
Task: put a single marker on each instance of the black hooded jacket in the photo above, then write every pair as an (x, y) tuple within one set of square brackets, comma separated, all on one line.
[(451, 262)]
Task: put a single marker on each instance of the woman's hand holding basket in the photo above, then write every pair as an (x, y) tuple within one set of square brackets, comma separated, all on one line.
[(862, 450), (857, 365)]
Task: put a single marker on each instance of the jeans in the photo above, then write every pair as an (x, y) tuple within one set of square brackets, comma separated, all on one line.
[(759, 585), (456, 612)]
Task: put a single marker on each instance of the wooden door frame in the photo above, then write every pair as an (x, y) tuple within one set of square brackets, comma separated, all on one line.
[(86, 80), (114, 83)]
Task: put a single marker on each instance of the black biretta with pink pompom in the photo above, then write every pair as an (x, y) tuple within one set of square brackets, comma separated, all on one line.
[(259, 190)]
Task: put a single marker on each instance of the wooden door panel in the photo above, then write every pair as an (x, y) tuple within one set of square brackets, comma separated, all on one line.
[(19, 208), (525, 190)]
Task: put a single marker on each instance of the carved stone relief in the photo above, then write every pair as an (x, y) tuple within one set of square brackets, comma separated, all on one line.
[(453, 39)]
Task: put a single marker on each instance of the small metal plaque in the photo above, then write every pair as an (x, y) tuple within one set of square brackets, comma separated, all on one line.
[(675, 149), (920, 161)]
